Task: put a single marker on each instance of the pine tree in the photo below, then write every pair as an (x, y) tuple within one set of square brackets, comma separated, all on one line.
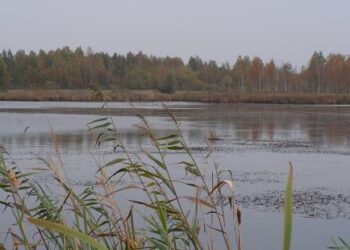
[(4, 77)]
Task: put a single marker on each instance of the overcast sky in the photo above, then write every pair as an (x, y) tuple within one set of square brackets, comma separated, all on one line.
[(286, 30)]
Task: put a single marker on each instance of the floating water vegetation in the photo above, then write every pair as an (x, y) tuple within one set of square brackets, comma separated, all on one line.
[(213, 136)]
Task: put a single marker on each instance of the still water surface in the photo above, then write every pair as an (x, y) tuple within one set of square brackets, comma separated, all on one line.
[(255, 141)]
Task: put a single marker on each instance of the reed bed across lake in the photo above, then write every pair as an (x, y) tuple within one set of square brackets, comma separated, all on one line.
[(188, 96)]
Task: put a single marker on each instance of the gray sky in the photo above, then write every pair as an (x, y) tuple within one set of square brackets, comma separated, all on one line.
[(286, 30)]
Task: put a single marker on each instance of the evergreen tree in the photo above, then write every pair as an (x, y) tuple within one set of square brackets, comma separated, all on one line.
[(3, 75)]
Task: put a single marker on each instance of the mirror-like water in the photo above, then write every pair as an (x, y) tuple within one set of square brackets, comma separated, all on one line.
[(256, 142)]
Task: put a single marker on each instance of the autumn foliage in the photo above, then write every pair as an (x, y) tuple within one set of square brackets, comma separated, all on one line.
[(77, 69)]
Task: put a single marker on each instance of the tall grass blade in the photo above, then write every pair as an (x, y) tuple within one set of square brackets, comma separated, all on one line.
[(68, 232), (288, 210), (339, 244)]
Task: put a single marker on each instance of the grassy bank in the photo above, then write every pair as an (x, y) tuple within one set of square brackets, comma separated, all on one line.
[(188, 96)]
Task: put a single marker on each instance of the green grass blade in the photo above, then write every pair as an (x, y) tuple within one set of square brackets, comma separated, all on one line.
[(344, 243), (339, 244), (68, 232), (288, 210)]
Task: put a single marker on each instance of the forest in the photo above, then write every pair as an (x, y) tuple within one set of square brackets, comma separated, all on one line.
[(78, 69)]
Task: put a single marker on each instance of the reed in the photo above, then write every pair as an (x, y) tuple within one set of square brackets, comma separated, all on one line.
[(189, 96), (94, 219), (97, 218)]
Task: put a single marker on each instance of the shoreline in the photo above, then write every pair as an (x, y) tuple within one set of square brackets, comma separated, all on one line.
[(185, 96)]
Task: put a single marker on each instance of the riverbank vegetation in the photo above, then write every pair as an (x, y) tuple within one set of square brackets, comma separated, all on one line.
[(186, 96), (161, 78)]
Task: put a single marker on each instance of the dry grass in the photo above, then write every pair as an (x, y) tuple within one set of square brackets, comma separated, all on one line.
[(190, 96)]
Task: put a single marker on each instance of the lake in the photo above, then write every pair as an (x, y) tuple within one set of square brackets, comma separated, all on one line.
[(255, 141)]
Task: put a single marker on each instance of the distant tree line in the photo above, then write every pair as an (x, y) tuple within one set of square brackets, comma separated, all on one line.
[(77, 69)]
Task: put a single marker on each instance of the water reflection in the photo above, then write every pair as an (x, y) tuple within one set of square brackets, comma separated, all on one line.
[(319, 126), (78, 141), (313, 126)]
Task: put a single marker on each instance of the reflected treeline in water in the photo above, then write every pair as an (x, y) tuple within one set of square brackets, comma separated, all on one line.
[(44, 141), (319, 126), (80, 141)]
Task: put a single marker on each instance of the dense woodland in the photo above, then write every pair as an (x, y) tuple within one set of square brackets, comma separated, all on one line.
[(77, 69)]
